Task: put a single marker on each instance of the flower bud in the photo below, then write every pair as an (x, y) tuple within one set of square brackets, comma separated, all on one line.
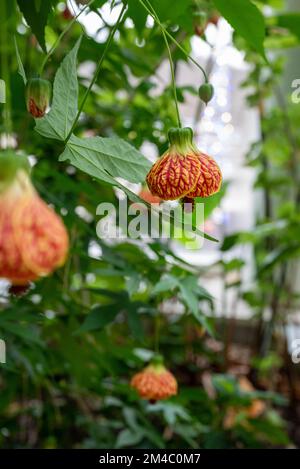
[(206, 92), (38, 95)]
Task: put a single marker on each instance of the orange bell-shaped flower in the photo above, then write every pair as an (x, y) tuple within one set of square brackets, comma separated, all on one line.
[(183, 170), (155, 382), (33, 239)]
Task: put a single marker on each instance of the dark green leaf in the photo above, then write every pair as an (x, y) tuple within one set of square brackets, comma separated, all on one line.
[(36, 17), (246, 19), (100, 317)]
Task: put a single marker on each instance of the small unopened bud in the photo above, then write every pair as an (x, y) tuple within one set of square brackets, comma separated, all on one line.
[(38, 95), (206, 92)]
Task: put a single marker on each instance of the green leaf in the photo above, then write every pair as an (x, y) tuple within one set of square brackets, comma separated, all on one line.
[(128, 437), (246, 19), (36, 17), (167, 283), (21, 70), (279, 255), (100, 317), (290, 21), (134, 321), (138, 15), (57, 124), (107, 155), (189, 297), (26, 333)]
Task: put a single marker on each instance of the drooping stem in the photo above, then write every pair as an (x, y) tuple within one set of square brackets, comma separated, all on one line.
[(107, 45), (156, 19), (62, 34), (173, 78), (171, 67)]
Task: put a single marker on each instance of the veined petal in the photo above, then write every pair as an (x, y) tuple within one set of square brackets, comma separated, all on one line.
[(173, 175), (155, 383), (209, 179), (40, 235)]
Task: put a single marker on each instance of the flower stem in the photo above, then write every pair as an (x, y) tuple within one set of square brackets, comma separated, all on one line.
[(156, 19), (107, 45), (68, 27), (173, 78), (171, 66)]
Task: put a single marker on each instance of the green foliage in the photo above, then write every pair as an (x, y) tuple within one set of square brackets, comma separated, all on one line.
[(36, 15), (246, 19), (58, 122)]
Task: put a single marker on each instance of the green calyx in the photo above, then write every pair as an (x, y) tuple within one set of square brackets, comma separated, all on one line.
[(38, 94), (157, 364), (181, 139), (10, 164)]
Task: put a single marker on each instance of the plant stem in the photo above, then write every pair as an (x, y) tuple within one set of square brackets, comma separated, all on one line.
[(173, 78), (107, 45), (156, 332), (156, 19), (68, 27), (171, 67)]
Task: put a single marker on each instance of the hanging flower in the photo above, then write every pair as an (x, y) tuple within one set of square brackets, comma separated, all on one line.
[(33, 239), (183, 170), (155, 382), (38, 95)]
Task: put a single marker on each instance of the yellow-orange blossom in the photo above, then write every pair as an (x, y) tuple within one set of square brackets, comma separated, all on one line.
[(33, 239), (155, 382)]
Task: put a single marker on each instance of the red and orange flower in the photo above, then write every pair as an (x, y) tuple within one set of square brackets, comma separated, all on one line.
[(183, 171), (155, 382), (33, 239)]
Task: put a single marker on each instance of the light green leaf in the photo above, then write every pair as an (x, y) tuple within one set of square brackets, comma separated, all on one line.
[(128, 438), (167, 283), (109, 155), (57, 124), (189, 297), (246, 19)]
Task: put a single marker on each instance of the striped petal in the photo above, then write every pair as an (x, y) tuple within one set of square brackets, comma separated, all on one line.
[(174, 175), (209, 178)]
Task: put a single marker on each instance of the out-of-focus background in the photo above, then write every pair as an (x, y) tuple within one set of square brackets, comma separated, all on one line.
[(226, 315)]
